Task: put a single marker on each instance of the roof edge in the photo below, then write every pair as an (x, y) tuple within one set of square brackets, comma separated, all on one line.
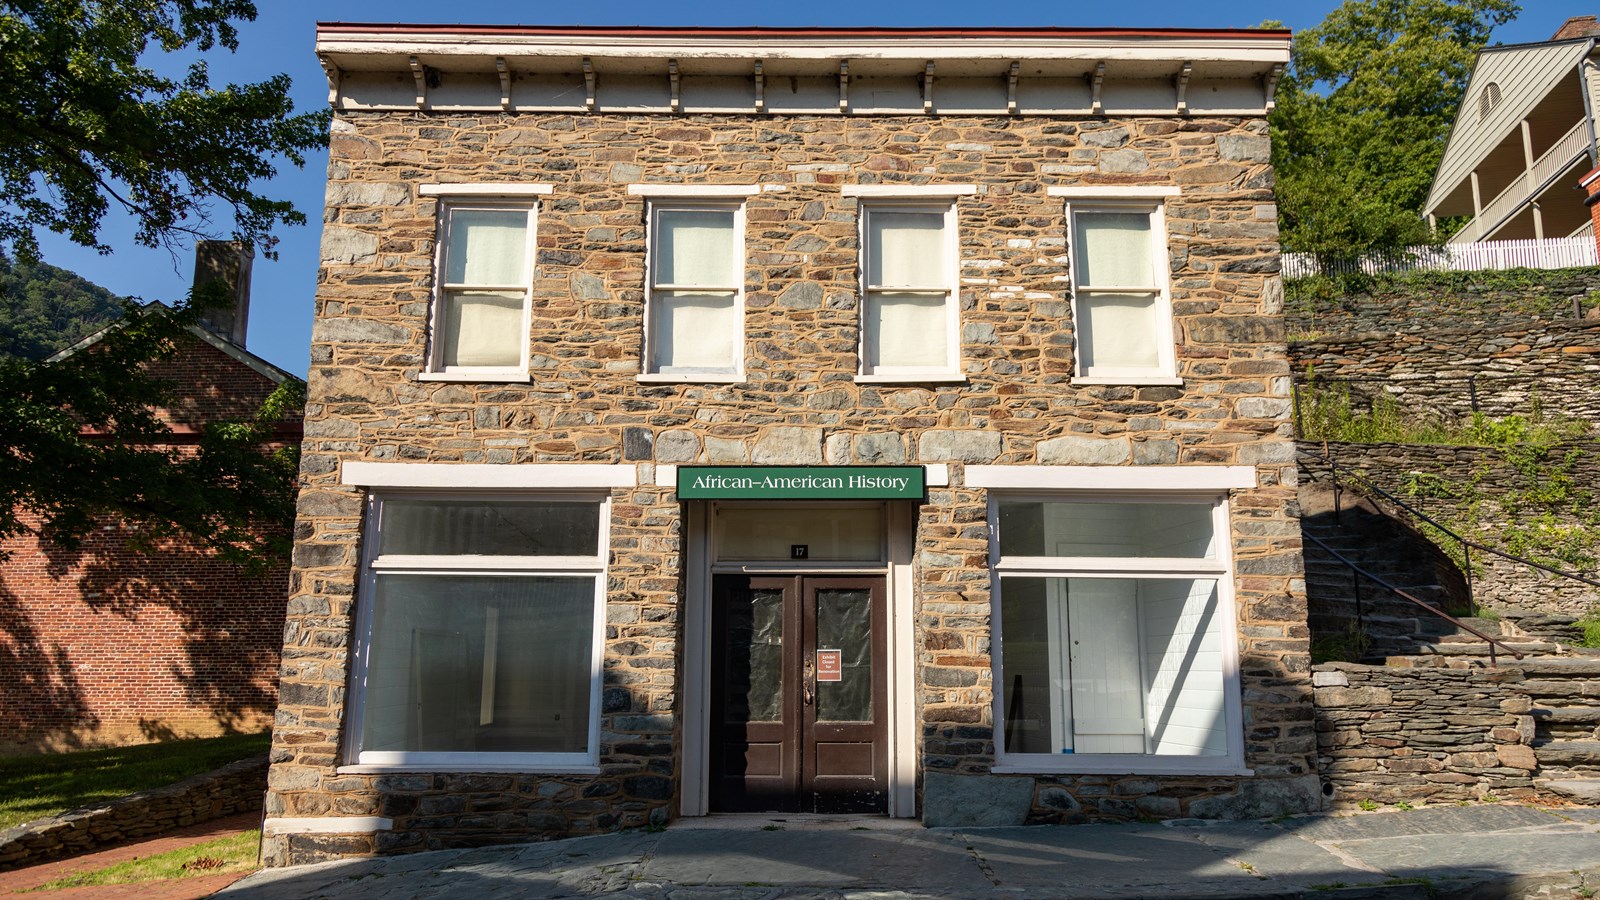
[(818, 31)]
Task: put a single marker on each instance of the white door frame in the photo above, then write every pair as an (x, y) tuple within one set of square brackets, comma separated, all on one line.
[(900, 667)]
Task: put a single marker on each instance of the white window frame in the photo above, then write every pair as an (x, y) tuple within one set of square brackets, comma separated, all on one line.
[(1124, 199), (904, 200), (592, 566), (692, 201), (1219, 568), (509, 198)]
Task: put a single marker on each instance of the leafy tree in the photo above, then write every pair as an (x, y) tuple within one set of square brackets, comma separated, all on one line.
[(56, 482), (44, 309), (84, 124), (87, 126), (1363, 115)]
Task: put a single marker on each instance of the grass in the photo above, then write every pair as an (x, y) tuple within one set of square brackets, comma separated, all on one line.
[(35, 787), (235, 853), (1590, 623)]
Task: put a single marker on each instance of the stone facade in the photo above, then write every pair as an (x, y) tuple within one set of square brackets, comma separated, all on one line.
[(799, 404), (1424, 735)]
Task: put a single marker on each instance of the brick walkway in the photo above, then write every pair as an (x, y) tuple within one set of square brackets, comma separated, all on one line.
[(183, 889)]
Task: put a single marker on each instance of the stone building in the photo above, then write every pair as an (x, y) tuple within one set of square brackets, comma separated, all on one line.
[(835, 420)]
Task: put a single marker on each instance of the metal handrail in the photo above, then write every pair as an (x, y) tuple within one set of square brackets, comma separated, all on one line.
[(1493, 641), (1327, 458)]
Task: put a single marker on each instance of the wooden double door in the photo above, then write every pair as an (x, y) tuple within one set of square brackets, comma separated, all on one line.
[(799, 694)]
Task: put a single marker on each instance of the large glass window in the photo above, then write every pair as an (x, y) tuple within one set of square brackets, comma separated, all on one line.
[(908, 316), (1123, 316), (481, 632), (1114, 635), (695, 320), (480, 312)]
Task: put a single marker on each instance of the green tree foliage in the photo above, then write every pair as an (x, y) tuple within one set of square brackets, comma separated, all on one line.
[(1363, 115), (44, 309), (229, 493), (85, 124), (87, 128)]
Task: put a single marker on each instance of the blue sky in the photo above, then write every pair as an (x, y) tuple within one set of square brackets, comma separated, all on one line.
[(281, 38)]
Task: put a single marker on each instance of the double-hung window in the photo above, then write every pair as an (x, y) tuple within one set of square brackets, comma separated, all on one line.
[(910, 324), (482, 619), (1116, 647), (694, 304), (483, 276), (1122, 309)]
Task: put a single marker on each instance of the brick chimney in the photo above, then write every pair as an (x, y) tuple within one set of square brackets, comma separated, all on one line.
[(1577, 27), (227, 262)]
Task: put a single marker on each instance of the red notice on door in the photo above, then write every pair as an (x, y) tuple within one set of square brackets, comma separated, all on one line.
[(830, 665)]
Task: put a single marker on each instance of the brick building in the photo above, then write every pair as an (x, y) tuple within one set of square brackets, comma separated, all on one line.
[(112, 643), (703, 420)]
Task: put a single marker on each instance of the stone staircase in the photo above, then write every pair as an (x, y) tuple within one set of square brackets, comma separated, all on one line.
[(1560, 683)]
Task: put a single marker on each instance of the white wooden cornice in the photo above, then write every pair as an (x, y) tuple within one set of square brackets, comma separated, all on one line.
[(777, 71)]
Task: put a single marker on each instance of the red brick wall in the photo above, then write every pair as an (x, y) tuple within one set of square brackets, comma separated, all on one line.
[(114, 644)]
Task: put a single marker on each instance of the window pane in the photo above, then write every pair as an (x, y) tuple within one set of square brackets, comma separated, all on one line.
[(487, 246), (844, 624), (1112, 665), (483, 528), (694, 332), (1117, 331), (1079, 528), (907, 330), (694, 247), (1113, 249), (753, 674), (479, 664), (482, 329), (906, 249), (829, 533)]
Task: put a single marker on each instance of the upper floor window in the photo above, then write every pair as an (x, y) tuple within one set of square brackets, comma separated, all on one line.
[(910, 325), (694, 300), (1122, 309), (482, 282)]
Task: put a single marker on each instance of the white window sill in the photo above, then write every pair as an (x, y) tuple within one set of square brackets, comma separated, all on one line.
[(690, 378), (1142, 766), (912, 379), (483, 377), (1131, 380), (527, 770)]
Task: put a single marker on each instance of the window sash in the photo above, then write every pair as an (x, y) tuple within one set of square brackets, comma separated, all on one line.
[(589, 568), (1118, 355), (694, 322), (885, 350), (1217, 569), (498, 342)]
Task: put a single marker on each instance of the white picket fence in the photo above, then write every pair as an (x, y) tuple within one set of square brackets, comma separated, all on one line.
[(1551, 253)]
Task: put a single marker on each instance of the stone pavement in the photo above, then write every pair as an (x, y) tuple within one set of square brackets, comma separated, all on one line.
[(1474, 853)]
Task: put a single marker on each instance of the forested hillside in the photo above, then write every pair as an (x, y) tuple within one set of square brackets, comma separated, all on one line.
[(44, 308)]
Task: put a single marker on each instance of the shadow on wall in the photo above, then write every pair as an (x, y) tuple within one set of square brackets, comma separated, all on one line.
[(44, 704), (114, 643)]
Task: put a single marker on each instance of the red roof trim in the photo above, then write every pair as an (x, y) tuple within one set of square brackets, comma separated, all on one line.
[(761, 32)]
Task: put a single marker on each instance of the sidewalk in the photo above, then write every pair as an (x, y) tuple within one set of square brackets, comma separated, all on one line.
[(1478, 852), (17, 880)]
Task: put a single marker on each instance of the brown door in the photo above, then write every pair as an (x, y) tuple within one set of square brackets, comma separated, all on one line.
[(799, 694)]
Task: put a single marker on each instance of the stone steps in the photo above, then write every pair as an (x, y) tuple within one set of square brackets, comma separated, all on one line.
[(1569, 756)]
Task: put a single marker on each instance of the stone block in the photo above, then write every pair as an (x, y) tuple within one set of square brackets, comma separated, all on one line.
[(975, 801), (1072, 450), (788, 445), (1335, 697), (959, 446), (1516, 756), (1330, 679)]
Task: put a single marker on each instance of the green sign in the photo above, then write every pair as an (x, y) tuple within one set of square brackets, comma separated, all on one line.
[(801, 483)]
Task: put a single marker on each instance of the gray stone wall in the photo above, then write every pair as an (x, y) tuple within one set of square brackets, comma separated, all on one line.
[(1429, 734), (231, 789), (1488, 476)]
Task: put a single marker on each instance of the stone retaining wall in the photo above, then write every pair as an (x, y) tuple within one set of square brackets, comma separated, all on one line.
[(1499, 583), (1432, 734), (234, 788)]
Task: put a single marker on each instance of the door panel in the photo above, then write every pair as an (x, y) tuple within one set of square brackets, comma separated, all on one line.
[(783, 739)]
